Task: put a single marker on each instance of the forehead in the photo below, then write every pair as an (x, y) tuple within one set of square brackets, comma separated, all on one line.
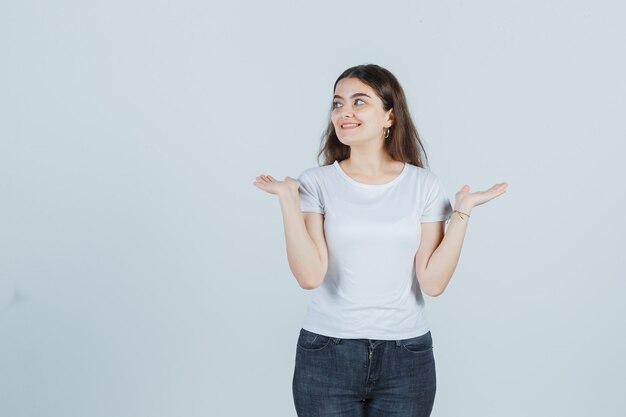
[(348, 86)]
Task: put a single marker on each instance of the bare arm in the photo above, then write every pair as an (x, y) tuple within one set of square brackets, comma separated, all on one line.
[(439, 253), (307, 253)]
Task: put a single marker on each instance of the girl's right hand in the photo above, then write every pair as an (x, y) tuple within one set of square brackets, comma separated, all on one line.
[(273, 186)]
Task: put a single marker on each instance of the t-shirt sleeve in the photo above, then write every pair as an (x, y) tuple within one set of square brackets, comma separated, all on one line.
[(310, 198), (437, 206)]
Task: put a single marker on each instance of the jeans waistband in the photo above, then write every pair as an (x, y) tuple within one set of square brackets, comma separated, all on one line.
[(374, 342)]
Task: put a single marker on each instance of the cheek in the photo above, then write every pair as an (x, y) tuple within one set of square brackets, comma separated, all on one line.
[(366, 112)]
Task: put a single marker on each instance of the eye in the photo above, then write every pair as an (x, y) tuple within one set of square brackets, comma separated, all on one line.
[(335, 103)]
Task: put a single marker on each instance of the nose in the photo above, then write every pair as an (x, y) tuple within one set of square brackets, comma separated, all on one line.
[(346, 110)]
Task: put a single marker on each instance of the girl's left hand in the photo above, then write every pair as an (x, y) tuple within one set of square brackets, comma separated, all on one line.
[(469, 200)]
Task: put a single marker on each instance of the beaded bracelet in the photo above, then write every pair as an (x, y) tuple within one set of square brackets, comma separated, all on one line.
[(460, 212)]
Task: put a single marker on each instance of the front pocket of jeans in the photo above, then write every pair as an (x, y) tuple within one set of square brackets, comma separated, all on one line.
[(418, 345), (312, 341), (417, 349)]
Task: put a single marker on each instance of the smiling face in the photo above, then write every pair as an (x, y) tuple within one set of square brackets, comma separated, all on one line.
[(358, 114)]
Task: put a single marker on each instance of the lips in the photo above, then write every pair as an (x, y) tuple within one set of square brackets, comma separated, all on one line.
[(350, 125)]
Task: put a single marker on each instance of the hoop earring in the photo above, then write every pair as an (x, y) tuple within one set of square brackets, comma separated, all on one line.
[(387, 132)]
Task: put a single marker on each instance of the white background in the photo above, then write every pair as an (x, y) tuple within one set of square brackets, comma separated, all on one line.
[(142, 274)]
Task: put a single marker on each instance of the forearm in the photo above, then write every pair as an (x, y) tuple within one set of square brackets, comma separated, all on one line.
[(445, 258), (302, 253)]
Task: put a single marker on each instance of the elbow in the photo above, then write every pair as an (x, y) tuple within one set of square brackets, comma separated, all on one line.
[(314, 280), (309, 285), (430, 286), (311, 279), (434, 292)]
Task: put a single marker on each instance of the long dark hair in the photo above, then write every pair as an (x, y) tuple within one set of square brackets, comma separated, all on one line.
[(404, 143)]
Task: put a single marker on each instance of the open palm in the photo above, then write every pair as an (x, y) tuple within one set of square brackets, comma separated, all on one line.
[(274, 186), (467, 199)]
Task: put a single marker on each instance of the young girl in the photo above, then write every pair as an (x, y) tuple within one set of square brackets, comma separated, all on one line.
[(366, 232)]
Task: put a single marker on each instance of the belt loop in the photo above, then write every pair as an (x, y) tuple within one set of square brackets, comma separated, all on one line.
[(397, 343)]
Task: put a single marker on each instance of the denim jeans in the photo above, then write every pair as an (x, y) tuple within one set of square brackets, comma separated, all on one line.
[(336, 377)]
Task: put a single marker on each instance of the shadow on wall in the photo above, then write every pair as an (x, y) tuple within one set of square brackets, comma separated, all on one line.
[(10, 296)]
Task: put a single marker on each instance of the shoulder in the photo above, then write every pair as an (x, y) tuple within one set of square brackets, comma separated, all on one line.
[(423, 176), (316, 173)]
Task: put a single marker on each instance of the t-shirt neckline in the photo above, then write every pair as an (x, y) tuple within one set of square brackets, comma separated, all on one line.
[(373, 186)]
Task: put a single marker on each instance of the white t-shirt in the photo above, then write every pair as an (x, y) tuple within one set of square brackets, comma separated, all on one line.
[(370, 290)]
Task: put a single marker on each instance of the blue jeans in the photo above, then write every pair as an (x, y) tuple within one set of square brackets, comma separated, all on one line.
[(336, 377)]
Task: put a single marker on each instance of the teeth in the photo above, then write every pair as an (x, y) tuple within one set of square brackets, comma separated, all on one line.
[(350, 124)]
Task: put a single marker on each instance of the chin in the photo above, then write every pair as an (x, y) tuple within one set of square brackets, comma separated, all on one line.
[(349, 140)]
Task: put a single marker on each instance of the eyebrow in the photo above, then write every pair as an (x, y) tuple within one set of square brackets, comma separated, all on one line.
[(353, 95)]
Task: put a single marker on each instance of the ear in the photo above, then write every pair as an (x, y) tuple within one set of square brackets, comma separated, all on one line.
[(391, 118)]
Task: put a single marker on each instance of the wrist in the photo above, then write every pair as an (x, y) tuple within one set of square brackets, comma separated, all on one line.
[(463, 212), (288, 194), (463, 208)]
